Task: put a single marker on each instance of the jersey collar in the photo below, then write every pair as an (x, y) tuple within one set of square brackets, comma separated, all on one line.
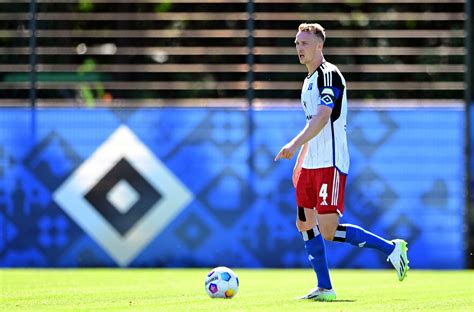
[(309, 76)]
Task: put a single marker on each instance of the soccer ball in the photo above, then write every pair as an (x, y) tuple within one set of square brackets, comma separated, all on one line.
[(221, 282)]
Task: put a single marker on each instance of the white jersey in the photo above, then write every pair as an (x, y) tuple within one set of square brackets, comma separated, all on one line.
[(327, 86)]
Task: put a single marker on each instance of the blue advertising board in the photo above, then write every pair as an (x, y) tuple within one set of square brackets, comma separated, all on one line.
[(194, 187)]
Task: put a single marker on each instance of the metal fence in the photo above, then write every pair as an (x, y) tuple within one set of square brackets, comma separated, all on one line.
[(184, 52)]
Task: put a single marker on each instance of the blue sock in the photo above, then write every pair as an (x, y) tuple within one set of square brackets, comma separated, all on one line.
[(314, 245), (357, 236)]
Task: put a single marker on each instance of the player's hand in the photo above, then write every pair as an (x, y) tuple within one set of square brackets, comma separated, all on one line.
[(286, 152)]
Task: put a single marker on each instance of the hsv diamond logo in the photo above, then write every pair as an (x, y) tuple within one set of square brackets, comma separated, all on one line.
[(123, 196)]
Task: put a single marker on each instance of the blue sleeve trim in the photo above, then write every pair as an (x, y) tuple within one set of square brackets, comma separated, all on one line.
[(332, 91)]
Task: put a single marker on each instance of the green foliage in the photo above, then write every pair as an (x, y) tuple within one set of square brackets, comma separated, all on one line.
[(164, 6), (85, 5), (88, 66)]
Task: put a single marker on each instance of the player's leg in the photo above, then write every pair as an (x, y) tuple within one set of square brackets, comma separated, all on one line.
[(357, 236), (307, 224), (330, 228), (314, 244), (395, 250), (332, 194)]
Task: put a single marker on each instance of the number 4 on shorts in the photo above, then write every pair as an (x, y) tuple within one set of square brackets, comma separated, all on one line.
[(323, 193)]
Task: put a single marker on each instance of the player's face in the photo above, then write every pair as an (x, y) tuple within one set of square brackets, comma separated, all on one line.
[(307, 45)]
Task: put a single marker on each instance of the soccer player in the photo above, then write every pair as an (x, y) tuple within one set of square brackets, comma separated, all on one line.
[(322, 165)]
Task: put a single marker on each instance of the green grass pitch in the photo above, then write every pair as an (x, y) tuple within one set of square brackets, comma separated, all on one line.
[(260, 290)]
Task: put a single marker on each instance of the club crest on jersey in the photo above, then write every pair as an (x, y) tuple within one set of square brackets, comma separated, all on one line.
[(310, 86), (327, 100)]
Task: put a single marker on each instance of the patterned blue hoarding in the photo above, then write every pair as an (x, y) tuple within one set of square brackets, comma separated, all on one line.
[(170, 187)]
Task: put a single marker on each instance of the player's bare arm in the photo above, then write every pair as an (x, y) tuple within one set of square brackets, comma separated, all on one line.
[(312, 129), (299, 164)]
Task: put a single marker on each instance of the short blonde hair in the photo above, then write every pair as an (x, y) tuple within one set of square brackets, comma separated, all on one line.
[(314, 28)]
